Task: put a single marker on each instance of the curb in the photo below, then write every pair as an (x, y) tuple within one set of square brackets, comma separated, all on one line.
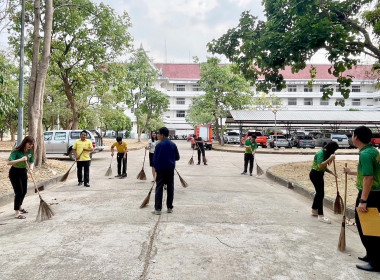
[(270, 151), (327, 201)]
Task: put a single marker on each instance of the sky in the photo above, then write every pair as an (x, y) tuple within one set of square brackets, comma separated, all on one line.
[(174, 31)]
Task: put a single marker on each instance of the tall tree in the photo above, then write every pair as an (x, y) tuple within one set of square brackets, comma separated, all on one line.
[(294, 31), (224, 91), (200, 111)]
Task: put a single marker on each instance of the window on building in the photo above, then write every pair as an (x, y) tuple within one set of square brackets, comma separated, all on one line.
[(196, 88), (292, 101), (308, 101), (180, 114), (324, 102), (356, 102), (355, 88), (274, 89), (307, 89), (292, 88), (180, 101), (180, 87)]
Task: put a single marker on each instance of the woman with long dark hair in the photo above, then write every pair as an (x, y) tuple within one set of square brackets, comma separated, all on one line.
[(321, 159), (18, 174), (153, 141)]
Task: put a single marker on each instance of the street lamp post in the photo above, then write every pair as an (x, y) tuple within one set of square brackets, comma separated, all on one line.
[(275, 128)]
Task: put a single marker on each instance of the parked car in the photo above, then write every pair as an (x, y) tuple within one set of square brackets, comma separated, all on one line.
[(232, 138), (260, 139), (375, 140), (305, 142), (281, 141), (349, 136), (324, 138), (62, 141)]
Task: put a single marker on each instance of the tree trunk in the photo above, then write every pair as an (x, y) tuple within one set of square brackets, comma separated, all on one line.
[(38, 77), (217, 128), (70, 98)]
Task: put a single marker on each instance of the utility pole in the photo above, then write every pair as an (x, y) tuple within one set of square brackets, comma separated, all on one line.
[(20, 125)]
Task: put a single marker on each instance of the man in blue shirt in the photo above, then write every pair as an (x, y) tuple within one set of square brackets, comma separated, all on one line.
[(165, 156)]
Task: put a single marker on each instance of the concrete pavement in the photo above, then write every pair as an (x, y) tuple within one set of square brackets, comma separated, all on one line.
[(224, 226)]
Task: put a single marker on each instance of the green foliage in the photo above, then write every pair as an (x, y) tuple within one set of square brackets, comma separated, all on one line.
[(200, 111), (294, 32), (115, 119)]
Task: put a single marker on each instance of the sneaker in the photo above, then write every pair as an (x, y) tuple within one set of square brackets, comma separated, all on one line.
[(117, 176), (170, 210), (156, 212), (87, 185), (198, 163), (324, 220), (80, 183), (124, 175), (244, 173), (250, 174)]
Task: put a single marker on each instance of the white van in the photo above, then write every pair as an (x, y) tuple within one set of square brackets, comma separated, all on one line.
[(323, 139)]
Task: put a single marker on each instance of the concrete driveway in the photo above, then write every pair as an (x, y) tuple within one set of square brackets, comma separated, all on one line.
[(224, 226)]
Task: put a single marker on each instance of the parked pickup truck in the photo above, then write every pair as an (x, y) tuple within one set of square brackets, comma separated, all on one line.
[(260, 139), (375, 140), (62, 141)]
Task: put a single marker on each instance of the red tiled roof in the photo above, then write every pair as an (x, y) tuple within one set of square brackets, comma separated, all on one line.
[(192, 71)]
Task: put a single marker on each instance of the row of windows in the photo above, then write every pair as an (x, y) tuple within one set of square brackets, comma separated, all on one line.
[(183, 87), (309, 101), (293, 88)]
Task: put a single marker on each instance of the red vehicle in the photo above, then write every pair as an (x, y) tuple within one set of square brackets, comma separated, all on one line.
[(205, 132), (260, 139), (375, 140)]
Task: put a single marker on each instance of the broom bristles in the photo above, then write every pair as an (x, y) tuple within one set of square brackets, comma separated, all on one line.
[(147, 198), (44, 211), (109, 171), (204, 160), (64, 177), (141, 175), (338, 204), (342, 237), (191, 161), (259, 171)]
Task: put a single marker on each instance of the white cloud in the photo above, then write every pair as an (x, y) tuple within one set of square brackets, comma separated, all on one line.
[(242, 3)]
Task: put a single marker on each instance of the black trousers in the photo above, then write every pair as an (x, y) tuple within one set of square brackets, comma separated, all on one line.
[(370, 243), (19, 181), (316, 178), (86, 166), (248, 158), (120, 161), (200, 150), (164, 177)]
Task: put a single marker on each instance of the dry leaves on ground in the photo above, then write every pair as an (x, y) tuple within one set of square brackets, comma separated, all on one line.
[(298, 172)]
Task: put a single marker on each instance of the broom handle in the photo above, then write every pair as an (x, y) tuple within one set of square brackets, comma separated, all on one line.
[(345, 191), (336, 179), (144, 159), (111, 160), (31, 175)]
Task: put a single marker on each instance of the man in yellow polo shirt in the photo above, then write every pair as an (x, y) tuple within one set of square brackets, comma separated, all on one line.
[(121, 147), (82, 148)]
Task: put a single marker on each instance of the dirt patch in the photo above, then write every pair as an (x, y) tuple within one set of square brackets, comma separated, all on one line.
[(299, 172), (6, 145)]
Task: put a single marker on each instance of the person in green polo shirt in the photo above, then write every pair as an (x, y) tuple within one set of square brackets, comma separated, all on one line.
[(82, 149), (368, 185), (249, 155), (18, 174)]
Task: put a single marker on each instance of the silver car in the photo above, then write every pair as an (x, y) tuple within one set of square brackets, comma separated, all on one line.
[(281, 141)]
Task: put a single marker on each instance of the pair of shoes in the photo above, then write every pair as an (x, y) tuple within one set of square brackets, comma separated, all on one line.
[(244, 173), (324, 220), (156, 212), (368, 267), (80, 183), (364, 259), (118, 175), (87, 185), (314, 212), (170, 210), (250, 174), (198, 163), (23, 211), (20, 217), (124, 175)]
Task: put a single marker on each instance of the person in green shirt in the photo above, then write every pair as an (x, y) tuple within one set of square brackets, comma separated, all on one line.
[(368, 185), (249, 155), (321, 160), (18, 173)]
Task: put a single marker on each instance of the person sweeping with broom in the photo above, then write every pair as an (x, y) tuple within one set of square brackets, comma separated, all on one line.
[(368, 185), (18, 174), (321, 160), (153, 141), (199, 143), (165, 156), (121, 147)]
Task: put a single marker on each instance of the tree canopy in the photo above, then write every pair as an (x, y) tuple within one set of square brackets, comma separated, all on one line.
[(294, 31)]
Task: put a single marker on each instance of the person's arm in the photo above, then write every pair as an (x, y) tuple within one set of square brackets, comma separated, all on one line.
[(332, 173), (349, 171), (326, 162), (90, 148), (176, 153), (126, 151), (367, 187), (12, 162)]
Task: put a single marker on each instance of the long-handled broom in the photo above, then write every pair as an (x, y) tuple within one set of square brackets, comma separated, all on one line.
[(64, 177), (183, 182), (109, 170), (147, 198), (342, 237), (204, 157), (44, 210), (191, 161), (338, 204), (141, 175), (259, 171)]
